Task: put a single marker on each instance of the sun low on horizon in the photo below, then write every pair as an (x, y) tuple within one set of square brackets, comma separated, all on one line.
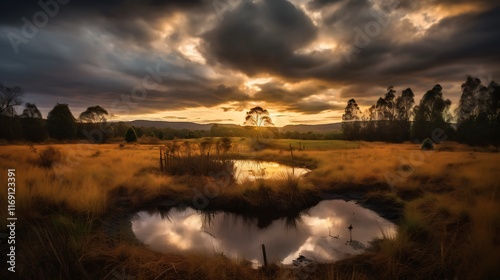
[(250, 139), (210, 61)]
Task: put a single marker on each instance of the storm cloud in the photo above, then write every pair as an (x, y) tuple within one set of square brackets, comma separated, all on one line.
[(300, 56)]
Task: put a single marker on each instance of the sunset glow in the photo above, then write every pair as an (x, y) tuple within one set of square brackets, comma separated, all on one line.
[(215, 63)]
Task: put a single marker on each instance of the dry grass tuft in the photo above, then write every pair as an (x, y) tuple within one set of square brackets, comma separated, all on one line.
[(48, 157), (447, 199)]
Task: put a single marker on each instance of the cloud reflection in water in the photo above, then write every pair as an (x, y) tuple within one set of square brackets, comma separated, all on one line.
[(321, 235), (252, 170)]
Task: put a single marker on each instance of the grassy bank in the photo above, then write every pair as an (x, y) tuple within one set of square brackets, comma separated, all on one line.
[(73, 212)]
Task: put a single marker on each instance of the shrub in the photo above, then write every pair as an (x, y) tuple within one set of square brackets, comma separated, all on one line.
[(61, 124), (200, 166), (205, 147), (427, 145), (224, 145), (131, 135), (183, 162), (48, 157)]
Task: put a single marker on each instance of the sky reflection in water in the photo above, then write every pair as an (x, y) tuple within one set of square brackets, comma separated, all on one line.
[(252, 170), (322, 234)]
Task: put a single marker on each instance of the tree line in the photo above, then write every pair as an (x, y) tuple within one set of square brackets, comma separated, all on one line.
[(398, 118), (393, 118), (92, 125), (60, 124)]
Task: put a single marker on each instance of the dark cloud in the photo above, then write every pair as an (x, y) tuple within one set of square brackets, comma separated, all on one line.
[(318, 4), (14, 10), (135, 22), (349, 14), (465, 38), (424, 4), (262, 37), (174, 97), (313, 107), (276, 92), (447, 52), (295, 100), (98, 51), (244, 41)]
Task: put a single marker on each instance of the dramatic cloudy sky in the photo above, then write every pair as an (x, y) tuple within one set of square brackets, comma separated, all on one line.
[(211, 60)]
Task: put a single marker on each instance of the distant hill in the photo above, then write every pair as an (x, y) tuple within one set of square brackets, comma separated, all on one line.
[(172, 125), (318, 128)]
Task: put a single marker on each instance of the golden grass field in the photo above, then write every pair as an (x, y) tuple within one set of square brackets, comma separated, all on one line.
[(447, 199)]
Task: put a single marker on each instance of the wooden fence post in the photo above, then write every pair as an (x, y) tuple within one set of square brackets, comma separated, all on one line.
[(161, 162), (264, 254)]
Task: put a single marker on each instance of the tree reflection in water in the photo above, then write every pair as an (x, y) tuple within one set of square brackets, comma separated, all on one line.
[(319, 234)]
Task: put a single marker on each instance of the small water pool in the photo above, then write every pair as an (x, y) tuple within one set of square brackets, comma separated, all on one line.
[(252, 170), (321, 233)]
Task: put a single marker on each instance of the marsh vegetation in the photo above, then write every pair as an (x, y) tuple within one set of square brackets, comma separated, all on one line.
[(76, 201)]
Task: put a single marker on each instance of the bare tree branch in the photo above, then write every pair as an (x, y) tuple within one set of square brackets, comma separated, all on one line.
[(10, 97)]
